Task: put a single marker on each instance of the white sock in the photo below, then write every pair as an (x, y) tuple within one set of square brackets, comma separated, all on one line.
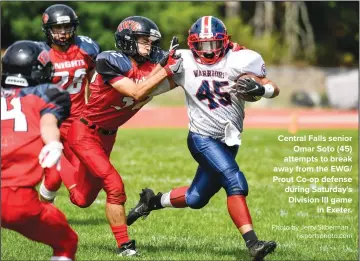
[(60, 258), (165, 200), (47, 194)]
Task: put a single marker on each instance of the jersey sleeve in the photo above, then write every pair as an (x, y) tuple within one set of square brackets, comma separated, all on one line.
[(89, 47), (247, 61), (112, 66), (57, 101)]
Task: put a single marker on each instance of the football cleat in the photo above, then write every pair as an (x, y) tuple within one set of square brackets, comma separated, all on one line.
[(261, 249), (142, 209), (128, 249)]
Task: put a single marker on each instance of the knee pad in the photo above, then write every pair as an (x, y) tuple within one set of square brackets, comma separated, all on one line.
[(114, 188), (77, 199), (235, 183), (195, 201)]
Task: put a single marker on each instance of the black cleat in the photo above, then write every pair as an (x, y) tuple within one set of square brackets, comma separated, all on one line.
[(128, 249), (261, 249), (142, 209)]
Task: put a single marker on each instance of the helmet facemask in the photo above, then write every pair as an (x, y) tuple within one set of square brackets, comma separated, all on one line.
[(209, 50), (42, 74), (61, 34), (146, 47)]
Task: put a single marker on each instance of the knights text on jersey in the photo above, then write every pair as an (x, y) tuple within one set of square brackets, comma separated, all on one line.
[(210, 104), (106, 106), (21, 110), (72, 70)]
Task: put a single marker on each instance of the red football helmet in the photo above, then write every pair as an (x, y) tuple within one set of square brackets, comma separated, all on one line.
[(208, 40)]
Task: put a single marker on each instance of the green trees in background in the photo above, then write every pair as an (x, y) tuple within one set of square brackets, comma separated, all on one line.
[(321, 33)]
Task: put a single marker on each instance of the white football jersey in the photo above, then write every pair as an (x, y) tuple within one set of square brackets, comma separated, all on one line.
[(210, 106)]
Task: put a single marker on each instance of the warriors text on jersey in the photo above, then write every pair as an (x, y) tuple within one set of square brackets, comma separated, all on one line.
[(107, 107), (21, 143), (72, 68), (210, 105)]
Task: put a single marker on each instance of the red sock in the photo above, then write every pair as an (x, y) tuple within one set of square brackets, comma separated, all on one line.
[(238, 210), (120, 234), (177, 197)]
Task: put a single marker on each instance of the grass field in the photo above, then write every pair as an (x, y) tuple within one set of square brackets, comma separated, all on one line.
[(159, 159)]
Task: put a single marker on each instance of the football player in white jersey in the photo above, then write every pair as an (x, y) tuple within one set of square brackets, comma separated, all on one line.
[(216, 114)]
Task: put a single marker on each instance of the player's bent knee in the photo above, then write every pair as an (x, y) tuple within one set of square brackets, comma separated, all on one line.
[(114, 188), (236, 185), (195, 202), (78, 200)]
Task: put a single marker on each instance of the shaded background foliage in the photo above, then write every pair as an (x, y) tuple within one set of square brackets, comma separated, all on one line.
[(334, 26)]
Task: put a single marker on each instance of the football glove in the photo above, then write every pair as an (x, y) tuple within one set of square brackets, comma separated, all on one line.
[(50, 155), (174, 45), (250, 87)]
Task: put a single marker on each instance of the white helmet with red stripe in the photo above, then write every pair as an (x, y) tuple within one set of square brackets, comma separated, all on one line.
[(208, 40)]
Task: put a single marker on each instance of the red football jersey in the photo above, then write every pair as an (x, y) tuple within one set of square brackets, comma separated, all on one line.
[(107, 107), (72, 70), (21, 143)]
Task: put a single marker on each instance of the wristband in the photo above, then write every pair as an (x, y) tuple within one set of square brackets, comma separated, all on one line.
[(269, 90)]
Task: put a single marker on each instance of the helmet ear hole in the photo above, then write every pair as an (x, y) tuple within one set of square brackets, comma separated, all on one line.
[(126, 34)]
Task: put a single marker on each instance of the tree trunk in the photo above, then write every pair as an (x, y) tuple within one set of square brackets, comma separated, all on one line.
[(232, 9), (299, 39), (269, 17), (258, 19), (263, 19), (308, 38)]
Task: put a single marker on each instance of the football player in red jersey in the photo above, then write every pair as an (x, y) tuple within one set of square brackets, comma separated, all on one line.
[(74, 62), (31, 110), (122, 84)]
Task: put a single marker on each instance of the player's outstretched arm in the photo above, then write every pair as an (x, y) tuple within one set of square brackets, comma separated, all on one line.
[(139, 91)]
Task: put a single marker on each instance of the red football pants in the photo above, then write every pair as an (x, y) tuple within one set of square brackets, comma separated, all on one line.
[(23, 212), (69, 163), (95, 172)]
